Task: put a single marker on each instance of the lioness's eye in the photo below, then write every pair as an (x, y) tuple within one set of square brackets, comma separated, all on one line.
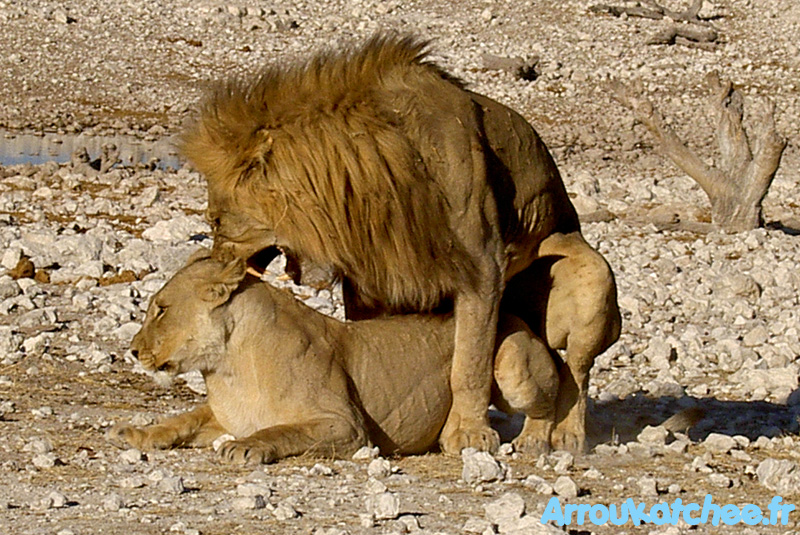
[(159, 311)]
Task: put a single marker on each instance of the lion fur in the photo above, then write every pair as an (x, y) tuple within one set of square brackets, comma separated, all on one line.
[(328, 169)]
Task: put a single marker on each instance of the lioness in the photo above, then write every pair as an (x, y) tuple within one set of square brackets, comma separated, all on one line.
[(416, 191), (286, 380)]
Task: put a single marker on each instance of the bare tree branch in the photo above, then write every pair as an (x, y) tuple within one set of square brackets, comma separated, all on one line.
[(655, 11), (690, 30), (669, 143), (737, 187)]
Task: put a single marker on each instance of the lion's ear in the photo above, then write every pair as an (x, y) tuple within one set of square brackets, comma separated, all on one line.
[(219, 290)]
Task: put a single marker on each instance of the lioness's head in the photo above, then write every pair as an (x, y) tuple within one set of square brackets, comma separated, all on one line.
[(183, 329)]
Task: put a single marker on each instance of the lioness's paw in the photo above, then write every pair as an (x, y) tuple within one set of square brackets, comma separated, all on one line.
[(246, 451), (125, 436), (478, 435), (143, 438)]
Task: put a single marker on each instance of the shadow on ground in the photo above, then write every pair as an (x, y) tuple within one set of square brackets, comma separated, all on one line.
[(622, 420)]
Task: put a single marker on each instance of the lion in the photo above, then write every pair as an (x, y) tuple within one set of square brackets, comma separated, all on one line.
[(419, 194), (287, 380)]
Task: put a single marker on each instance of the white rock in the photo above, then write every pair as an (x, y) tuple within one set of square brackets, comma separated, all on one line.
[(647, 486), (719, 480), (480, 467), (126, 332), (149, 196), (653, 435), (779, 475), (538, 484), (373, 486), (321, 470), (379, 468), (157, 475), (253, 489), (769, 380), (718, 443), (131, 456), (11, 257), (9, 288), (409, 523), (584, 204), (477, 525), (45, 460), (505, 511), (248, 503), (113, 502), (284, 511), (564, 461), (179, 228), (660, 353), (384, 506), (60, 16), (93, 269), (566, 487), (505, 449), (131, 482), (54, 500), (365, 453), (756, 337), (36, 345), (172, 485)]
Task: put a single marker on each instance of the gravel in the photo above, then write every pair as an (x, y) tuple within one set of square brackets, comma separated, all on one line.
[(710, 319)]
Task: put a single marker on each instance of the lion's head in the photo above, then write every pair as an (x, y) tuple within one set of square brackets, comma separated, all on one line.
[(183, 329)]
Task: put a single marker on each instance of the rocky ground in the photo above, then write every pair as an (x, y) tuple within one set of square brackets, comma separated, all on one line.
[(710, 319)]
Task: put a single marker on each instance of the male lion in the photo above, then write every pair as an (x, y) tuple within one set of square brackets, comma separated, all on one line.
[(417, 192), (286, 380)]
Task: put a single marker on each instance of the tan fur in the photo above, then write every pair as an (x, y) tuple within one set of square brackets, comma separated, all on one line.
[(375, 162), (286, 380), (307, 152), (569, 298)]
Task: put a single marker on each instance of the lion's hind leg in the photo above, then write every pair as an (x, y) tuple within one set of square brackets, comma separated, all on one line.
[(526, 381), (583, 320), (197, 428), (329, 436)]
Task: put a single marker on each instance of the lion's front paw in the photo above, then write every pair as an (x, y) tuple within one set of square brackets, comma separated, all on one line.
[(467, 434), (530, 445), (534, 439), (143, 438), (246, 451), (569, 440)]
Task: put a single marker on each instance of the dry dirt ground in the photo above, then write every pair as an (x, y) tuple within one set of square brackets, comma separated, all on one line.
[(710, 319)]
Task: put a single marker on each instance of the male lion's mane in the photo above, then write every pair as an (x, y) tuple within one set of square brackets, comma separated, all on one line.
[(319, 152)]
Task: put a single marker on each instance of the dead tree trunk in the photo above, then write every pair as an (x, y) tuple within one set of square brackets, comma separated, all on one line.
[(738, 185)]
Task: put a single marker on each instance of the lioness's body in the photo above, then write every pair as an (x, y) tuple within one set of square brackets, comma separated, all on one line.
[(377, 163), (285, 380)]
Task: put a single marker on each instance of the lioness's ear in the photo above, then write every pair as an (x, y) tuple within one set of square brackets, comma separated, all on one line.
[(219, 290)]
